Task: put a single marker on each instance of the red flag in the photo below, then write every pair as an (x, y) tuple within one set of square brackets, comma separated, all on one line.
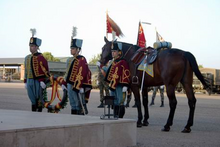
[(112, 26), (141, 38)]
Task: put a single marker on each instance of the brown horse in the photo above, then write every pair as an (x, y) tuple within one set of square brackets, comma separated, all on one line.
[(171, 67)]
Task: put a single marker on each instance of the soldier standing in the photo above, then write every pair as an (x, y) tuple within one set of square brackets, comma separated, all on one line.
[(117, 75), (78, 78), (36, 72), (156, 88), (103, 86)]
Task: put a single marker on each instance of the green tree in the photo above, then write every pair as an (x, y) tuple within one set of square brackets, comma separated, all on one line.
[(94, 59), (200, 66), (50, 57)]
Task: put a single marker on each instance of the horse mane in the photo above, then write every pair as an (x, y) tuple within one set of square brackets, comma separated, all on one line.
[(125, 43), (126, 46)]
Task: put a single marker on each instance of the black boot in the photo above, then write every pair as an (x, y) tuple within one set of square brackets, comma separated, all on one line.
[(128, 101), (34, 108), (116, 111), (162, 104), (73, 111), (121, 111), (40, 109), (101, 105), (80, 112)]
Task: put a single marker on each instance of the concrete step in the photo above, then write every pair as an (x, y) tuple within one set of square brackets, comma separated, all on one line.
[(34, 129)]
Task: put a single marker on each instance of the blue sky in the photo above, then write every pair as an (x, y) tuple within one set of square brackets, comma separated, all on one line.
[(191, 25)]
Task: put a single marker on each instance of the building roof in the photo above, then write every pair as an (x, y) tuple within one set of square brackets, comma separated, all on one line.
[(11, 61), (53, 66)]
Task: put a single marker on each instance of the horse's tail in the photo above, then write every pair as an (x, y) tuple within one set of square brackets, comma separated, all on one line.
[(194, 65)]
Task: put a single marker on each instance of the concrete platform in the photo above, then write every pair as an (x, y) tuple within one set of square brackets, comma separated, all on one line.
[(34, 129)]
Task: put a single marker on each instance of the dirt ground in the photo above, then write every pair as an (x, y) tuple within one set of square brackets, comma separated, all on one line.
[(205, 132)]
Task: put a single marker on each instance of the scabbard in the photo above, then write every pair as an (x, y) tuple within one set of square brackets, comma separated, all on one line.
[(81, 97)]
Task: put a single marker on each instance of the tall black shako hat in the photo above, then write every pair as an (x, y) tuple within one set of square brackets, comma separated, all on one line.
[(117, 46), (75, 43), (34, 40)]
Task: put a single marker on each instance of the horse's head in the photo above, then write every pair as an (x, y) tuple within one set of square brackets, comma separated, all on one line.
[(106, 52)]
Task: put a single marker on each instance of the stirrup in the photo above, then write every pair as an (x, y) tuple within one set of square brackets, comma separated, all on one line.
[(135, 80)]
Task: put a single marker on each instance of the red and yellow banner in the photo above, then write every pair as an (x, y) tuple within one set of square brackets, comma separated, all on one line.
[(112, 26), (141, 41)]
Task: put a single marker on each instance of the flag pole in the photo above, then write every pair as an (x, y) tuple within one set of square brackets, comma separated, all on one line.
[(143, 75), (106, 24), (138, 31), (157, 39), (146, 23), (145, 64)]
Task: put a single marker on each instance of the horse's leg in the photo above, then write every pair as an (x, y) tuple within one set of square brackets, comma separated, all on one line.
[(172, 102), (135, 90), (145, 104), (192, 105)]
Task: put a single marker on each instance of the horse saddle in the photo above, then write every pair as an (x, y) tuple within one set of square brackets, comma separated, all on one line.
[(141, 53)]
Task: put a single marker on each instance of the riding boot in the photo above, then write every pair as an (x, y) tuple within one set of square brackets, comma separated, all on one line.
[(40, 109), (101, 105), (34, 108), (121, 111), (162, 104), (73, 111), (116, 111), (128, 101)]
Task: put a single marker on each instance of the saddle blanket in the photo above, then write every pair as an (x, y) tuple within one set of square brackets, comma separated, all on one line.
[(149, 68)]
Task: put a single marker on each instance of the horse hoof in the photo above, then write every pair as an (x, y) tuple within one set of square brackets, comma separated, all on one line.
[(139, 125), (165, 129), (185, 130), (145, 123)]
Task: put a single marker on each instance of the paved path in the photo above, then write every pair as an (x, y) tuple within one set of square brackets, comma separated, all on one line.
[(205, 132)]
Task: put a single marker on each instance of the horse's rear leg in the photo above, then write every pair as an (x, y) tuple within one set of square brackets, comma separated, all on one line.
[(145, 104), (192, 105), (172, 102)]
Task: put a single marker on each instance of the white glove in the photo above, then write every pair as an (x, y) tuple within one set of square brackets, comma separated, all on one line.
[(25, 85), (98, 64), (63, 87), (162, 87), (124, 89), (42, 84), (81, 90)]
